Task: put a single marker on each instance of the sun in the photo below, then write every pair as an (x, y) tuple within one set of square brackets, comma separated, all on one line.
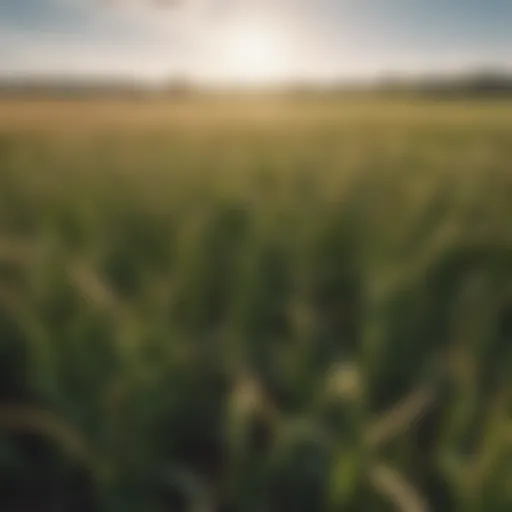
[(254, 56)]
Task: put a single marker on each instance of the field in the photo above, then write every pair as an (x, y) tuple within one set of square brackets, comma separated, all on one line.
[(256, 305)]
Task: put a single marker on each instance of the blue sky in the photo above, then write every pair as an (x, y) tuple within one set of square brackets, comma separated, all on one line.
[(315, 38)]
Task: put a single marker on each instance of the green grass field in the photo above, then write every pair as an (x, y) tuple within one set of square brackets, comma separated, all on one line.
[(256, 305)]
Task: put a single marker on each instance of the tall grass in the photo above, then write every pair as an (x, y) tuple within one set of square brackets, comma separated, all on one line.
[(263, 306)]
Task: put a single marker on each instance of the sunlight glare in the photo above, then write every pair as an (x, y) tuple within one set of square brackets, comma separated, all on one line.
[(255, 56)]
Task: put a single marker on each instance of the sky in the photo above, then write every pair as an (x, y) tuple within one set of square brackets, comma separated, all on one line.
[(253, 40)]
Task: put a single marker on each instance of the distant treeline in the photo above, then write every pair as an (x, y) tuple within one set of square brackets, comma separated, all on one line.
[(480, 84), (469, 85), (71, 88)]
